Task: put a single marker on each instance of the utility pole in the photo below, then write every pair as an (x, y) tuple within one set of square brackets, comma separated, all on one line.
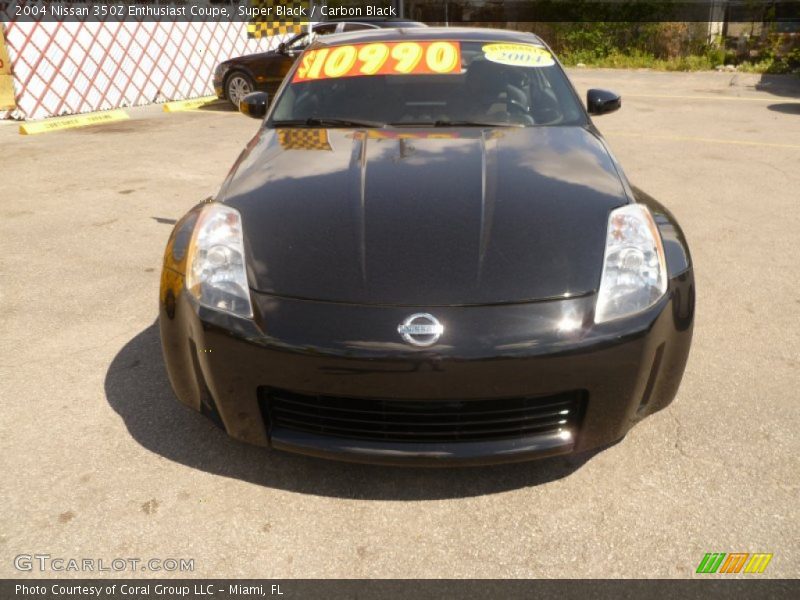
[(716, 19)]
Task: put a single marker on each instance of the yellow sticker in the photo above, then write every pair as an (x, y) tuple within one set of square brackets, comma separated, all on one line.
[(518, 55)]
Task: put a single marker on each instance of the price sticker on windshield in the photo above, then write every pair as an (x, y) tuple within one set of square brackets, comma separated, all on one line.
[(380, 58), (518, 55)]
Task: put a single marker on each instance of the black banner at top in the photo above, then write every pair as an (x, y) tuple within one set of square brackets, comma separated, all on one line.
[(452, 12)]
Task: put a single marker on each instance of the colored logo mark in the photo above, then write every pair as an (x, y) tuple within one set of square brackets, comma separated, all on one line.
[(735, 562)]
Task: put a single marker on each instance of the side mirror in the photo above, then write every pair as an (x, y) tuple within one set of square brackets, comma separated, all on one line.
[(254, 104), (600, 102), (282, 47)]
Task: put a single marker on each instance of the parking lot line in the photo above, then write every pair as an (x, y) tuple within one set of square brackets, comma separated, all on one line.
[(693, 97), (689, 138)]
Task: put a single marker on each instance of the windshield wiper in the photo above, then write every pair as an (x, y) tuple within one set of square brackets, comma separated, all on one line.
[(448, 123), (325, 122)]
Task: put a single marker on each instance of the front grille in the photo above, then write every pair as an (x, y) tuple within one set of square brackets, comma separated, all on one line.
[(421, 421)]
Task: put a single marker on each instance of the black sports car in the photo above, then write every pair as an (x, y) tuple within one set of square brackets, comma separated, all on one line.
[(236, 77), (427, 254)]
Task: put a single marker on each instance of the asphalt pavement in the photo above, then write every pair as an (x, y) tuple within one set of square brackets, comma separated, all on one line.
[(99, 461)]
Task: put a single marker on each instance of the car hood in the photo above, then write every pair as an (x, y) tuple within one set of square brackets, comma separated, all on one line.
[(424, 218)]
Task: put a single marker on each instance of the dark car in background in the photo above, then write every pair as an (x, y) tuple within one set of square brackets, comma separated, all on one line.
[(427, 254), (264, 71)]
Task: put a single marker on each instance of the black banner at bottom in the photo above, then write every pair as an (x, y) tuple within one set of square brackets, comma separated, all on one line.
[(417, 589)]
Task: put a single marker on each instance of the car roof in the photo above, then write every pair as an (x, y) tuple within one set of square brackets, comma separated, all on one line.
[(376, 21), (463, 34)]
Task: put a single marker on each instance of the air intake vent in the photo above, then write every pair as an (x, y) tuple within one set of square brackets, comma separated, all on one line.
[(422, 421)]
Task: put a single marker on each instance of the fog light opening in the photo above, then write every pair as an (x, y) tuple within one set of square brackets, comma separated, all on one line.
[(651, 379)]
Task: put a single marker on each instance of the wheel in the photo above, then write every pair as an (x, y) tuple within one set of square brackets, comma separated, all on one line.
[(237, 87)]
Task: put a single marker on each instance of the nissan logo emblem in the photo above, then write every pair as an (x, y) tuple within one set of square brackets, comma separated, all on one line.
[(421, 329)]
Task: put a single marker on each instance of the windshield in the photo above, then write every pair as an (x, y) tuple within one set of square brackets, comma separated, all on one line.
[(430, 83), (301, 40), (297, 43)]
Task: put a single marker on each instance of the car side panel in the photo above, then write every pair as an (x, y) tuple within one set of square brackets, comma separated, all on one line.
[(268, 73)]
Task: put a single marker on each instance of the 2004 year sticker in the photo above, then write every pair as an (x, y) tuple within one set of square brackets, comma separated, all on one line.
[(518, 55)]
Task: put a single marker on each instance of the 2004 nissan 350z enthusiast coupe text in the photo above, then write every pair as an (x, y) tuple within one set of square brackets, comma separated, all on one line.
[(427, 255)]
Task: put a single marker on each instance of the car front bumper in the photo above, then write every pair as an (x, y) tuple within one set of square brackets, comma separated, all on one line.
[(219, 88), (218, 81), (616, 373)]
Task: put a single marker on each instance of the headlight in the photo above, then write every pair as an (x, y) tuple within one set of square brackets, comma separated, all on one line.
[(634, 269), (215, 272)]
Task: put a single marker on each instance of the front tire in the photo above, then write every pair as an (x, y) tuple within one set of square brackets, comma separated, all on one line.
[(237, 86)]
